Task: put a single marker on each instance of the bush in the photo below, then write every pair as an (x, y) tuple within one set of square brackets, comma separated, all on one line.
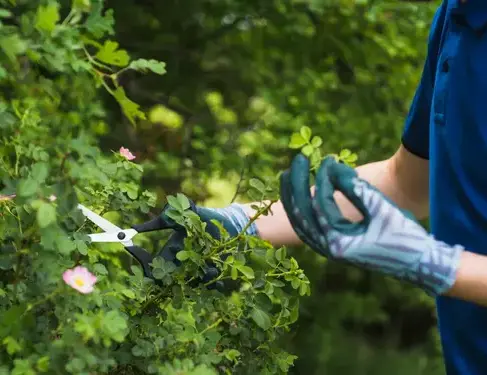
[(54, 62)]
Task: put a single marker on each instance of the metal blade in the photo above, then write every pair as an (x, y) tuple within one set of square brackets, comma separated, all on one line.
[(104, 237), (123, 236), (98, 220)]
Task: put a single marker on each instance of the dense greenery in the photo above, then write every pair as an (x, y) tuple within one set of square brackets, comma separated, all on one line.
[(212, 108)]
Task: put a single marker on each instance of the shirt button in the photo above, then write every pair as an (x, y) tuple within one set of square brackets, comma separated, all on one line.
[(439, 118)]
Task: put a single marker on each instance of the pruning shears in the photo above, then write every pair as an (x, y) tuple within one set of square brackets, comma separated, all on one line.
[(113, 233)]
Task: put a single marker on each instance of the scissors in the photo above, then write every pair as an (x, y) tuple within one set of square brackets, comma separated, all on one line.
[(113, 233)]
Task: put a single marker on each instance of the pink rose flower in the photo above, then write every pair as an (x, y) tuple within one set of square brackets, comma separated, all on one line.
[(125, 152), (7, 197), (80, 278)]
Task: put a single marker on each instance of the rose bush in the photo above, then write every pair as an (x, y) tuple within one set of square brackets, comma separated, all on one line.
[(71, 307)]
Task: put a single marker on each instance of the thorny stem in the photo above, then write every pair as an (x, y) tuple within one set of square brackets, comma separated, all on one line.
[(94, 62), (220, 277), (244, 229), (211, 326)]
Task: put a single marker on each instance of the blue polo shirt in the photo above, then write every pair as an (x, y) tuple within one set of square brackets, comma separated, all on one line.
[(447, 124)]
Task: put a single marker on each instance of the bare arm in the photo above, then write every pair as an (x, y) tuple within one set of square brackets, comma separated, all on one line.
[(403, 178), (471, 281)]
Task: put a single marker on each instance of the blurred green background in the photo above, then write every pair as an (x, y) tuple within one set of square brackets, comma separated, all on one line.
[(242, 75)]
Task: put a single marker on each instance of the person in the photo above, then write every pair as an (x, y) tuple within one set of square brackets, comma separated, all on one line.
[(365, 216)]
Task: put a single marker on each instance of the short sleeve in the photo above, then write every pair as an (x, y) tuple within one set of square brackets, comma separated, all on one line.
[(415, 137)]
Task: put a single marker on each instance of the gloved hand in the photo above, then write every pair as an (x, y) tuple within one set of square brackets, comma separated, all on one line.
[(233, 218), (388, 239)]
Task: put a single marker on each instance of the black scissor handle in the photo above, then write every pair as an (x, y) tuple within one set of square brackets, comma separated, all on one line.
[(143, 257)]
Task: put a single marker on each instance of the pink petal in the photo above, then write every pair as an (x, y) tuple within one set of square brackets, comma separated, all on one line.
[(125, 152), (67, 276), (7, 197), (80, 272)]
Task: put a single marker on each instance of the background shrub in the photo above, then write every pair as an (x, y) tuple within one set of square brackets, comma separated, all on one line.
[(242, 77)]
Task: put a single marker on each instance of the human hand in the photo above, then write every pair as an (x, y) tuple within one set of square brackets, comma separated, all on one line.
[(388, 239), (233, 219)]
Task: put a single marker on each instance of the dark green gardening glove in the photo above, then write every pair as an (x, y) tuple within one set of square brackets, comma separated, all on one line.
[(233, 218), (388, 239)]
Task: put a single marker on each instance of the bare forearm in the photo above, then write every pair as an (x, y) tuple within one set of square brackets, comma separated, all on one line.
[(277, 229), (471, 279)]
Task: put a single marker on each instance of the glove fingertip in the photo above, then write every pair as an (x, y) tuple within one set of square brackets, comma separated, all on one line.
[(333, 176)]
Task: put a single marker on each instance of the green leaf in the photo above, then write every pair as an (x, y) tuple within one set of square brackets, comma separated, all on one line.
[(12, 345), (110, 54), (138, 274), (81, 246), (46, 215), (293, 317), (97, 23), (128, 293), (247, 271), (345, 154), (158, 262), (143, 65), (234, 273), (183, 255), (159, 273), (307, 150), (297, 141), (232, 355), (129, 108), (47, 17), (163, 115), (352, 158), (114, 325), (5, 13), (263, 302), (137, 351), (305, 132), (100, 269), (83, 5), (270, 257), (281, 254), (276, 283), (315, 158), (175, 203), (13, 46), (43, 363), (257, 184), (261, 318), (40, 171), (131, 189), (316, 141), (27, 187), (183, 201)]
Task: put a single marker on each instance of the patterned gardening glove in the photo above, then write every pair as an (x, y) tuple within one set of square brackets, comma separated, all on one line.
[(388, 239), (233, 218)]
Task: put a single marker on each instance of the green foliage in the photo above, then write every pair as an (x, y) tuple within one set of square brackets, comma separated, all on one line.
[(243, 78), (50, 159)]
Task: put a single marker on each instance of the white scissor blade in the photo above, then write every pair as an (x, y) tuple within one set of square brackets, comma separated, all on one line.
[(125, 239), (98, 220), (104, 237)]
